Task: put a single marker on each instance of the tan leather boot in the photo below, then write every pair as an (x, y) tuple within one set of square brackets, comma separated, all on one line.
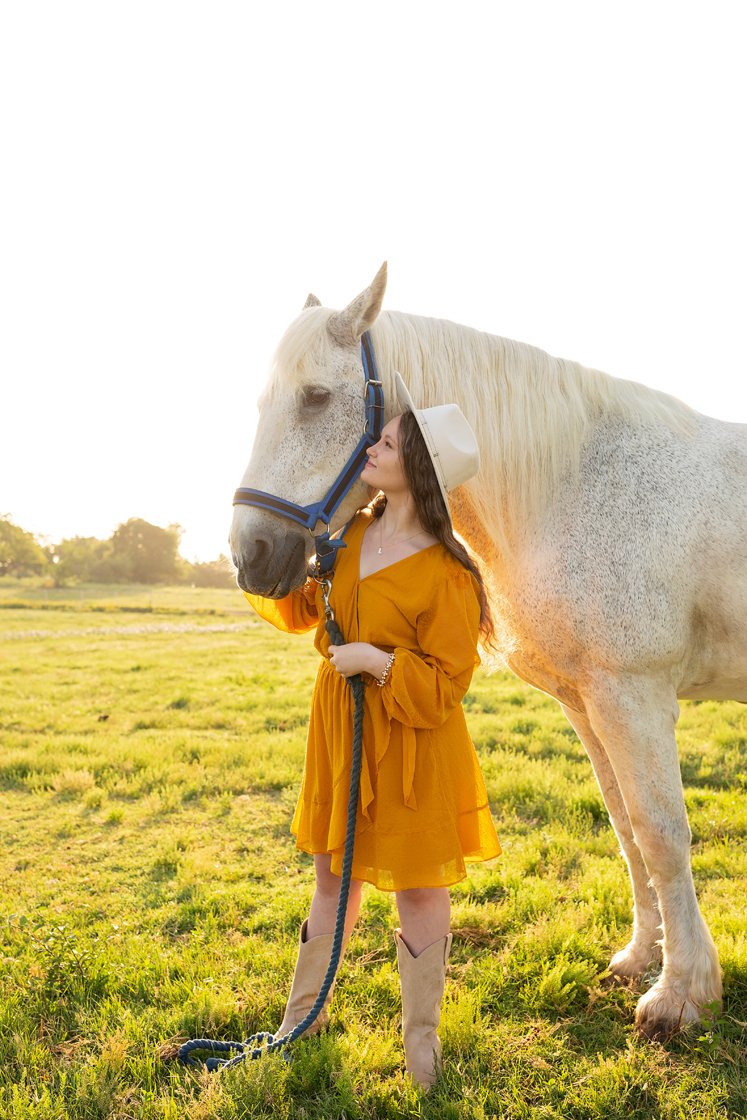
[(421, 981), (311, 968)]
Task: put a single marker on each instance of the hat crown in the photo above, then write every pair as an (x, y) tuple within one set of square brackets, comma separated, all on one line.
[(449, 438)]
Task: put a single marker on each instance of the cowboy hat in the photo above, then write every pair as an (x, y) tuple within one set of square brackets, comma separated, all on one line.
[(450, 441)]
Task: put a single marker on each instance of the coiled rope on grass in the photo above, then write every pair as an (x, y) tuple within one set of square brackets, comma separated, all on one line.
[(263, 1042)]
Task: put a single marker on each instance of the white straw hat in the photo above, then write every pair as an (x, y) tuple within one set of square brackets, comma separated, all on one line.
[(450, 441)]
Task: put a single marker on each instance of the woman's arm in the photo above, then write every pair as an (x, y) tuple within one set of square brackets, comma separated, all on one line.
[(424, 687), (295, 614)]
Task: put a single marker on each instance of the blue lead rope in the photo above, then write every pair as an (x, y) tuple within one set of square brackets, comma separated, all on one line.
[(263, 1042)]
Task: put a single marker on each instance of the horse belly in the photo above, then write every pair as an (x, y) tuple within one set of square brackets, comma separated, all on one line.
[(717, 666)]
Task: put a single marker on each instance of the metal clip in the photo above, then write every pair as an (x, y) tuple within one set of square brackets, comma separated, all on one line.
[(326, 585)]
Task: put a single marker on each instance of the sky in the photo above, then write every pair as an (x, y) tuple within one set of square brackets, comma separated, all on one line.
[(178, 176)]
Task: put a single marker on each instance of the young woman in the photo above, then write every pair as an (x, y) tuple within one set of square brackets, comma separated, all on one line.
[(411, 605)]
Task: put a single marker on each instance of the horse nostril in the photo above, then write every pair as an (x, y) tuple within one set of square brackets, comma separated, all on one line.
[(257, 554)]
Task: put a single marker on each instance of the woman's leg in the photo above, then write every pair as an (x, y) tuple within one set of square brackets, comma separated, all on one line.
[(424, 916), (423, 946), (315, 947), (323, 912)]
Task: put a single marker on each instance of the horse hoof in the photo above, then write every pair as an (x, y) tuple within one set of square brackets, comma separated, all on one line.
[(616, 980), (634, 960), (663, 1013)]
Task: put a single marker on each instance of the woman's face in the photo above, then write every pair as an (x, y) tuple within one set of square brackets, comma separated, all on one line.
[(384, 470)]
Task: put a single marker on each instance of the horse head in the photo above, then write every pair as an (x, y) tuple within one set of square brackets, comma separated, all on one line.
[(311, 417)]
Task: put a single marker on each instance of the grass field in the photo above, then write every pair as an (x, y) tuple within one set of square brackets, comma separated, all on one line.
[(151, 745)]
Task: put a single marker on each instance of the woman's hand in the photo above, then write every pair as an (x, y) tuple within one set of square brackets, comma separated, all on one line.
[(358, 657)]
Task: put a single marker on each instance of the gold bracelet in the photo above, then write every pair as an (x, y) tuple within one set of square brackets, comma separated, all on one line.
[(387, 670)]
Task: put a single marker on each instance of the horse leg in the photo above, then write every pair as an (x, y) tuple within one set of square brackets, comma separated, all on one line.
[(644, 949), (635, 718)]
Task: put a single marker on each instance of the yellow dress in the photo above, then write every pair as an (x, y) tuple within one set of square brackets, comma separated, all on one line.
[(422, 809)]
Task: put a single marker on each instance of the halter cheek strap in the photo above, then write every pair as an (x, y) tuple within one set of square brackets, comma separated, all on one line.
[(323, 510)]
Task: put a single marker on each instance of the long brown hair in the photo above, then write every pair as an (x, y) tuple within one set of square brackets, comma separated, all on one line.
[(432, 513)]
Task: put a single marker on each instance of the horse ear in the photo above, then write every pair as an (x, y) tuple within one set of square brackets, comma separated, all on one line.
[(312, 301), (346, 327)]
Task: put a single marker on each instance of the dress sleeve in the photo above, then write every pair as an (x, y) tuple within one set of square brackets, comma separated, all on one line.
[(295, 614), (425, 686)]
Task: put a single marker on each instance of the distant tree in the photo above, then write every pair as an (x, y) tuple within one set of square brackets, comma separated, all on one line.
[(137, 552), (82, 560), (214, 573), (20, 552), (145, 553)]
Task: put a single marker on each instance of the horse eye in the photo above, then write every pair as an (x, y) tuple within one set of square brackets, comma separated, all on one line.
[(314, 396)]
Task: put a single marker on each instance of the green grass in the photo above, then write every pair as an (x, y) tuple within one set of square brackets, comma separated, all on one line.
[(151, 744)]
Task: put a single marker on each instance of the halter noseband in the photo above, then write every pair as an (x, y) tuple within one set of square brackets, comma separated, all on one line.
[(308, 516)]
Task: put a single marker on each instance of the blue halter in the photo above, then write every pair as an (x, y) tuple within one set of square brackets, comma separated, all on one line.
[(308, 516)]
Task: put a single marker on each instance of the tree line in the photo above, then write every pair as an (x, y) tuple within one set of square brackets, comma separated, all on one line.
[(136, 552)]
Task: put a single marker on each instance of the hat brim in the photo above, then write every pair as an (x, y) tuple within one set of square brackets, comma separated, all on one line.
[(407, 404)]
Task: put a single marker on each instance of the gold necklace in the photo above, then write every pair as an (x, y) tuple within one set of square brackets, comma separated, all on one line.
[(391, 544)]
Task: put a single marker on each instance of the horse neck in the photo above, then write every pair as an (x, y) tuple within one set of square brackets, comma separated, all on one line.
[(532, 414)]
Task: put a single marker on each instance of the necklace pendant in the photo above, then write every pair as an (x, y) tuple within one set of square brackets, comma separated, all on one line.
[(379, 550)]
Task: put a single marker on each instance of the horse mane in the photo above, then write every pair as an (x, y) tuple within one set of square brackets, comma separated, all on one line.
[(532, 413)]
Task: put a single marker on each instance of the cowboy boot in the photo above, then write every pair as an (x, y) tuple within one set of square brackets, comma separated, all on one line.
[(311, 968), (421, 981)]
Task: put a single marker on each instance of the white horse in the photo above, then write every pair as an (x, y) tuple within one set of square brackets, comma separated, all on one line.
[(611, 521)]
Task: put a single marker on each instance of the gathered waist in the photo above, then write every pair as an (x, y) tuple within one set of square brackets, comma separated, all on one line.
[(378, 726)]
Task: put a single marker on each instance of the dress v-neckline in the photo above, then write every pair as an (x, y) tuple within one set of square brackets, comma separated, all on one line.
[(386, 567)]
